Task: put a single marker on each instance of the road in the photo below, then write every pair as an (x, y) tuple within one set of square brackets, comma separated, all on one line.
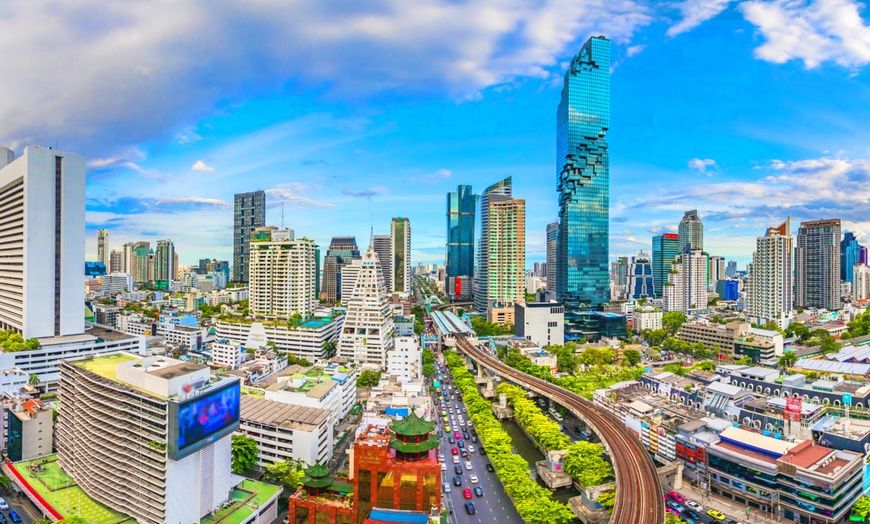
[(494, 506), (638, 489)]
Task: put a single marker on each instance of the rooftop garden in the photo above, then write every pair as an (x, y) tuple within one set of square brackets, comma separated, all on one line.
[(12, 342)]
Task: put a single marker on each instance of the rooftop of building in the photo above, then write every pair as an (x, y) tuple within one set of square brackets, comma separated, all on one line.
[(105, 366), (280, 414)]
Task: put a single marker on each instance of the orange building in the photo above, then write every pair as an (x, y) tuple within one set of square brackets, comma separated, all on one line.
[(394, 468)]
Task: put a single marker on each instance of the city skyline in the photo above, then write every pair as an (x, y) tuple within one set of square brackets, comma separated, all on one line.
[(690, 140)]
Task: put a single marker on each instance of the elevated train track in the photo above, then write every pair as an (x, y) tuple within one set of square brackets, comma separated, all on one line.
[(639, 495)]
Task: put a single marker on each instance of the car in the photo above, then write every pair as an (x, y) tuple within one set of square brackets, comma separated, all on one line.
[(478, 491), (675, 506), (473, 431), (468, 465), (469, 508), (463, 454), (3, 504), (447, 428), (441, 457), (466, 436), (457, 469), (456, 406), (692, 515), (454, 451), (470, 448), (676, 497), (489, 467), (456, 435), (445, 420), (451, 440), (457, 480), (473, 479), (482, 451), (450, 411), (461, 444), (466, 493), (456, 459), (464, 409), (474, 438), (446, 488), (695, 506), (718, 515), (13, 516), (443, 467)]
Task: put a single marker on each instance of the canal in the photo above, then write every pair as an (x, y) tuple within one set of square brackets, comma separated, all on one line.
[(523, 447)]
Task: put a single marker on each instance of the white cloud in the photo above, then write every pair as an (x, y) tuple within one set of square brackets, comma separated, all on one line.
[(696, 12), (701, 164), (289, 194), (635, 49), (103, 65), (193, 200), (201, 167), (437, 176), (814, 31)]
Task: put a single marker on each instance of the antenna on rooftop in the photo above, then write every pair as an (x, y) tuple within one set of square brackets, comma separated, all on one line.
[(282, 214), (372, 232)]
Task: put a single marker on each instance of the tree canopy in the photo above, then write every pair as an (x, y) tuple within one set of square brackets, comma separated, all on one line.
[(585, 462), (787, 359), (368, 378), (12, 342), (244, 454), (288, 474), (484, 328), (673, 320), (861, 507), (632, 356), (543, 430)]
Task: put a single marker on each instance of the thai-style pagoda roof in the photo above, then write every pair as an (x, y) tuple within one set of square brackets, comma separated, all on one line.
[(412, 426), (316, 476), (414, 447)]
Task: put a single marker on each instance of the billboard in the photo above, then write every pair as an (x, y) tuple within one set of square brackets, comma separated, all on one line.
[(194, 423), (793, 409)]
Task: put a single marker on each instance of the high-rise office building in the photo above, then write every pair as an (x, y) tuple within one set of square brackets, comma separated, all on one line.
[(42, 248), (140, 268), (103, 247), (506, 257), (640, 277), (116, 261), (552, 250), (686, 288), (368, 332), (400, 243), (861, 282), (851, 253), (817, 265), (583, 174), (459, 256), (731, 269), (500, 190), (281, 274), (164, 260), (342, 250), (691, 231), (715, 271), (249, 213), (383, 247), (141, 435), (665, 249), (769, 287)]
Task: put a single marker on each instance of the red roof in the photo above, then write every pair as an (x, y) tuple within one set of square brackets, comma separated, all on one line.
[(32, 406)]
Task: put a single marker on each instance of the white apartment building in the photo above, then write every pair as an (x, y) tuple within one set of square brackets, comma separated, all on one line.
[(282, 274), (686, 288), (542, 323), (189, 337), (405, 360), (42, 216), (129, 435), (368, 331), (860, 281), (646, 318), (769, 286), (227, 353), (116, 283), (328, 386), (287, 432), (305, 341)]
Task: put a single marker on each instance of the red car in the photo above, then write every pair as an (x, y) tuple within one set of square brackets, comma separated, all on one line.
[(676, 497), (466, 493), (454, 451)]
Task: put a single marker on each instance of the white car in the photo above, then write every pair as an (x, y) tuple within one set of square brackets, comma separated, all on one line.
[(468, 465), (443, 467), (473, 479), (694, 505), (456, 459), (3, 504), (470, 448)]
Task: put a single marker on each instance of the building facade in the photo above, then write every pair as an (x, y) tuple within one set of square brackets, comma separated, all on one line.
[(665, 249), (342, 250), (817, 265), (400, 244), (686, 289), (503, 189), (691, 231), (506, 258), (552, 251), (249, 212), (42, 214), (459, 256), (368, 331), (769, 295), (164, 261), (383, 247), (583, 175), (285, 432), (29, 430), (281, 274), (851, 253), (640, 277), (116, 261), (542, 323), (103, 247)]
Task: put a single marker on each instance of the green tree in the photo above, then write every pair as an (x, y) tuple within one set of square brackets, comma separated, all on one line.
[(745, 361), (368, 378), (428, 356), (429, 370), (655, 337), (706, 365), (670, 518), (676, 368), (861, 507), (607, 499), (829, 345), (4, 482), (787, 360), (288, 474), (33, 380), (672, 321), (245, 454), (585, 462), (329, 347), (632, 355), (75, 520)]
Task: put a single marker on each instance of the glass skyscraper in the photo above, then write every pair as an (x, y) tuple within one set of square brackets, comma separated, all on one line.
[(582, 121), (459, 255), (249, 213), (665, 249), (851, 253), (501, 190)]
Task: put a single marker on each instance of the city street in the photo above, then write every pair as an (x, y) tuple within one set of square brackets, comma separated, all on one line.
[(494, 506)]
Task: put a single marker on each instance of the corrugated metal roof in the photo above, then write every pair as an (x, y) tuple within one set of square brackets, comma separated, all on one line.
[(832, 366), (279, 414)]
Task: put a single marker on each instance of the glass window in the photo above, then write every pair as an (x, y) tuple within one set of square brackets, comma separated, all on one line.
[(408, 492)]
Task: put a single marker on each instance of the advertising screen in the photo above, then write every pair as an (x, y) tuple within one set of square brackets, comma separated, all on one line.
[(203, 419)]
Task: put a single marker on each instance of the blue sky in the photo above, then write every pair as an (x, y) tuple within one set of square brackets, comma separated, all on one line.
[(349, 113)]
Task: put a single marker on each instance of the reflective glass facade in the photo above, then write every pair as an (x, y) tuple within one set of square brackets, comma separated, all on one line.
[(665, 249), (459, 256), (582, 121)]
